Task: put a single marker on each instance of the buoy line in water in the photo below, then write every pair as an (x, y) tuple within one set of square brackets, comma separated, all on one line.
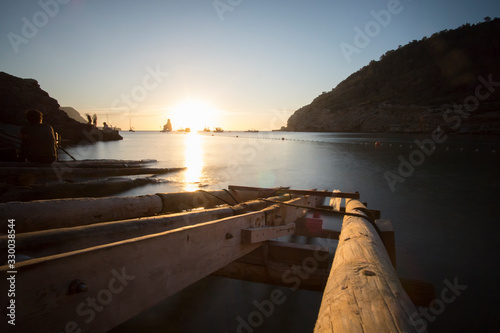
[(377, 144)]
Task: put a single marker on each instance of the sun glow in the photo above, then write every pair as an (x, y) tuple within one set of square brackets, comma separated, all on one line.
[(194, 162), (194, 114)]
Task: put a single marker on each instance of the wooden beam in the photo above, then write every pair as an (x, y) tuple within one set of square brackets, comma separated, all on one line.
[(121, 279), (298, 192), (49, 242), (257, 235), (363, 291), (285, 264)]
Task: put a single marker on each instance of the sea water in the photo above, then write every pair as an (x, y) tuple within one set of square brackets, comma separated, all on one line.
[(441, 199)]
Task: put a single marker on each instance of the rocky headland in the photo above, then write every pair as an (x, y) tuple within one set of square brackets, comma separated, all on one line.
[(18, 95), (450, 80)]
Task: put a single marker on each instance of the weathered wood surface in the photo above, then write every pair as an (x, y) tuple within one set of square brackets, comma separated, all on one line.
[(50, 214), (157, 266), (50, 242), (179, 201), (257, 235), (280, 190), (280, 263), (297, 266), (364, 293), (61, 213), (123, 278)]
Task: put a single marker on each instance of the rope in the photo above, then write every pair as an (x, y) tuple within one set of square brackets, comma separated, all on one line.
[(236, 201), (230, 204)]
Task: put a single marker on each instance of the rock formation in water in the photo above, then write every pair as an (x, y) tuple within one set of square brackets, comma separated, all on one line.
[(451, 80), (18, 95)]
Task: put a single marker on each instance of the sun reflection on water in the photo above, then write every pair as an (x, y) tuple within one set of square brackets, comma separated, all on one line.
[(193, 159)]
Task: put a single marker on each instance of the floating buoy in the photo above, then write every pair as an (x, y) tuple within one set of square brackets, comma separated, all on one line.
[(377, 144)]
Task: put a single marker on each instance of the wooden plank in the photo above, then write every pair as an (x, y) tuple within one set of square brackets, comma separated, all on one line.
[(286, 264), (257, 235), (298, 192), (122, 278), (363, 291)]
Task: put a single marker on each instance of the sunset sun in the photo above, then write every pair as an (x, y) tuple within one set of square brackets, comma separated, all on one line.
[(194, 114)]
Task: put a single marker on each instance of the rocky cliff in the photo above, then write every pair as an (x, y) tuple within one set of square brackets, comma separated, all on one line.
[(18, 95), (451, 80), (74, 114)]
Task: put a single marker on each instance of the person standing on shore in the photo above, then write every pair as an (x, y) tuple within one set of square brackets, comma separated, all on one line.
[(39, 142)]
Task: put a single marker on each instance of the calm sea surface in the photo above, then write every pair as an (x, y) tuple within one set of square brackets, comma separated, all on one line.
[(443, 205)]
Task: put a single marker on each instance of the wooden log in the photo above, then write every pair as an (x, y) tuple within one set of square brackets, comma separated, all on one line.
[(363, 291), (298, 192), (121, 279), (61, 213), (179, 201), (50, 242), (50, 214)]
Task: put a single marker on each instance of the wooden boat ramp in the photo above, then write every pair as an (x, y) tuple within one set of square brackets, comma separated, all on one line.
[(90, 264)]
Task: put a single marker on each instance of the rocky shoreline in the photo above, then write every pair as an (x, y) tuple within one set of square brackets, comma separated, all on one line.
[(391, 118), (18, 95)]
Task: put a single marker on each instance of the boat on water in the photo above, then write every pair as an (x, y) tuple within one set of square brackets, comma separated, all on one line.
[(130, 124), (252, 131), (108, 248)]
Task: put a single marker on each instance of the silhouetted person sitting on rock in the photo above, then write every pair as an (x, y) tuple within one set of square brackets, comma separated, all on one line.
[(39, 143)]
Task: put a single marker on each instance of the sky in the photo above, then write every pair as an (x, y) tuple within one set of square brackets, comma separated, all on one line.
[(235, 64)]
